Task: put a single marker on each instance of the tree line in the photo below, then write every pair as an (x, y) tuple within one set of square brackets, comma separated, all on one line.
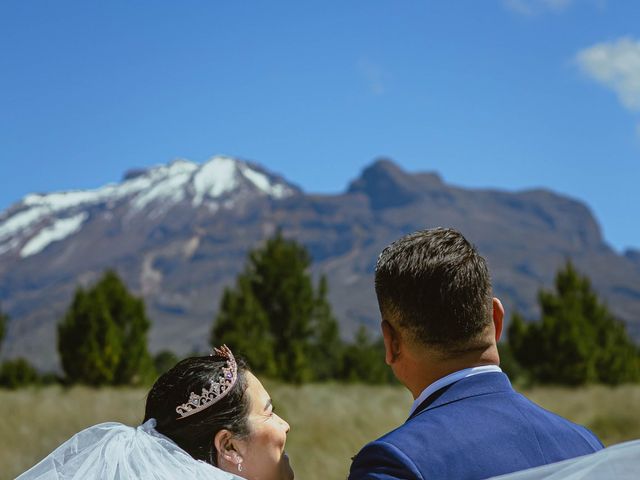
[(283, 324), (576, 341), (274, 316)]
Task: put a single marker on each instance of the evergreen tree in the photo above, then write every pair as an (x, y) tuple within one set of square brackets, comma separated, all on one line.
[(102, 338), (88, 341), (17, 373), (164, 360), (128, 313), (518, 375), (577, 341), (363, 360), (618, 360), (326, 346), (275, 318), (281, 283), (243, 325)]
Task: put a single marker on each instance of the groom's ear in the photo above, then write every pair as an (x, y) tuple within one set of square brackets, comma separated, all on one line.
[(226, 446), (498, 316), (391, 344)]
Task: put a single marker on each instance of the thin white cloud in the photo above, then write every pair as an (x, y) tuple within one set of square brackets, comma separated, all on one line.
[(616, 65), (537, 7), (373, 74)]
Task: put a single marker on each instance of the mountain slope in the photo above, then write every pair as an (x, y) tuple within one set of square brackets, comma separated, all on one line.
[(179, 233)]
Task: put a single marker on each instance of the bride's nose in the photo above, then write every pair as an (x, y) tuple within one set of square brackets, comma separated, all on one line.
[(285, 424)]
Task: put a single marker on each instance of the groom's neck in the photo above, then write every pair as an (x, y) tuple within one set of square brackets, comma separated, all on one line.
[(424, 367)]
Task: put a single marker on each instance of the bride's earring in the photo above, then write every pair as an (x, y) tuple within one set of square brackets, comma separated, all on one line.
[(240, 465)]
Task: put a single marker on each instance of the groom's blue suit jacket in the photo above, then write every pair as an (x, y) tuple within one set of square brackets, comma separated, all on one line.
[(475, 428)]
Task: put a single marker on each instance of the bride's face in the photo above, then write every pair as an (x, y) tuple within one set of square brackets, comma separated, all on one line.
[(263, 451)]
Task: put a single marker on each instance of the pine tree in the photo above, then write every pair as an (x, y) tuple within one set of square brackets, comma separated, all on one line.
[(363, 360), (577, 340), (242, 325), (326, 347), (276, 318), (164, 360), (17, 373), (102, 339), (618, 360), (88, 341), (282, 286), (128, 313)]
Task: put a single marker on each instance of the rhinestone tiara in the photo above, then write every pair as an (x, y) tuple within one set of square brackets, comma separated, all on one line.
[(218, 389)]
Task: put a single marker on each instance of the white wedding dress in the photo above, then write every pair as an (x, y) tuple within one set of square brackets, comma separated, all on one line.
[(113, 451), (619, 462)]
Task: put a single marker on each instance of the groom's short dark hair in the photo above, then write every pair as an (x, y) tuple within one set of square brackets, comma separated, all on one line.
[(437, 286)]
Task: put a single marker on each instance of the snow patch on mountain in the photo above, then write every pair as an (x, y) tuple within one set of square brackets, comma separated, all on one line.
[(217, 180), (8, 246), (168, 184), (40, 206), (20, 221), (214, 178), (261, 181), (60, 230)]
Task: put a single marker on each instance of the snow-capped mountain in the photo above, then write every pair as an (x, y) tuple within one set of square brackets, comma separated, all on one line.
[(178, 234), (40, 220)]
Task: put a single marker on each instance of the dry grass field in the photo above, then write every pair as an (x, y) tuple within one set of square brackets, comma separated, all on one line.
[(329, 422)]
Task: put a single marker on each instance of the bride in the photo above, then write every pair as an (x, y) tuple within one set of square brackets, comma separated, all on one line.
[(207, 418)]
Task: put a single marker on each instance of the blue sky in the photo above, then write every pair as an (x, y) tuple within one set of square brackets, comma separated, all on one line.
[(507, 94)]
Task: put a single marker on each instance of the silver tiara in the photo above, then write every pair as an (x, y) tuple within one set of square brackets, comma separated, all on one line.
[(218, 389)]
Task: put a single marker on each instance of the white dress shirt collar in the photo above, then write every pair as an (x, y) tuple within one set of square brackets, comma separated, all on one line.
[(449, 379)]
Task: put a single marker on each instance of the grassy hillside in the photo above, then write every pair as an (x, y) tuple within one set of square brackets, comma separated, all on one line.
[(329, 423)]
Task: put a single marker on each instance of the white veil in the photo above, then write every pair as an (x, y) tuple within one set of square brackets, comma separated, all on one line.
[(620, 462), (113, 451)]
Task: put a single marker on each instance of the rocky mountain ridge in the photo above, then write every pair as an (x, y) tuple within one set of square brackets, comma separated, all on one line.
[(179, 233)]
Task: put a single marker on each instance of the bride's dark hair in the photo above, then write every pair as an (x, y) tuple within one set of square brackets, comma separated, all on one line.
[(195, 433)]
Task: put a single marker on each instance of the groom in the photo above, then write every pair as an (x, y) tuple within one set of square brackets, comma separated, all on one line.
[(440, 326)]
